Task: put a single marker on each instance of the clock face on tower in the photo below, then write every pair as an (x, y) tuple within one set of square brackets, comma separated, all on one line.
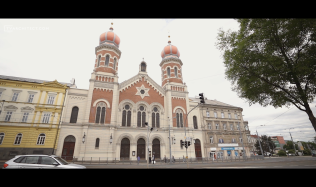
[(142, 91)]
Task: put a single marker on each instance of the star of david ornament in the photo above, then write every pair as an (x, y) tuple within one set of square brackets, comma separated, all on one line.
[(142, 91)]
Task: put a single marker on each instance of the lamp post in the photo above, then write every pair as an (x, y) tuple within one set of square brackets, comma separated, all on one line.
[(83, 138), (242, 142), (146, 123), (292, 141), (170, 139), (259, 143)]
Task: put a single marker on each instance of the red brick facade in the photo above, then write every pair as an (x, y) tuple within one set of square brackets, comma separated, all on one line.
[(179, 102), (101, 94)]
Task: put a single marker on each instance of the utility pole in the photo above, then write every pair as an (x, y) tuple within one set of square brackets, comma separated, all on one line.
[(259, 144), (292, 141), (169, 140)]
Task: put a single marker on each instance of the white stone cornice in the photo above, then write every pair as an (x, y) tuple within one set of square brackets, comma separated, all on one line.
[(108, 46), (171, 59)]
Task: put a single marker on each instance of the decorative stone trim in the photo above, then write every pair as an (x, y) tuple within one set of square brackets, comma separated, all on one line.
[(76, 97), (108, 46), (103, 85), (16, 91), (10, 108), (101, 100), (106, 89), (171, 59), (27, 109)]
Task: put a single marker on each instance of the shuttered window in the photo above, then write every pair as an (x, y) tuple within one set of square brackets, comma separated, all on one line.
[(195, 122), (74, 115)]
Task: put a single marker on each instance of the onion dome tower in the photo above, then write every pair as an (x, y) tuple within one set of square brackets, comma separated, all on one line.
[(107, 52), (171, 65)]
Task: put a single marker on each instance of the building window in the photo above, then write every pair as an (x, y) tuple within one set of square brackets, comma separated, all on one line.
[(141, 116), (97, 141), (1, 137), (51, 100), (143, 67), (41, 139), (107, 59), (215, 114), (114, 64), (46, 118), (233, 140), (25, 116), (249, 140), (222, 114), (8, 116), (231, 127), (220, 140), (179, 115), (74, 115), (246, 127), (99, 59), (155, 118), (0, 94), (209, 125), (168, 72), (15, 96), (176, 72), (31, 97), (224, 126), (207, 114), (217, 126), (100, 115), (18, 139), (237, 126), (211, 139), (126, 116), (240, 140), (195, 122), (229, 116), (235, 116)]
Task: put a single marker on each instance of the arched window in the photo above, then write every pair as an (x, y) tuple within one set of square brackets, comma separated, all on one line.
[(100, 115), (126, 116), (97, 141), (18, 139), (179, 118), (1, 137), (141, 116), (41, 139), (176, 72), (168, 72), (155, 117), (143, 67), (99, 59), (195, 122), (107, 59), (114, 64), (74, 115)]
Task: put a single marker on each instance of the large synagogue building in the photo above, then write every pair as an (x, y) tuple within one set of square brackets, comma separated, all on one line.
[(108, 119)]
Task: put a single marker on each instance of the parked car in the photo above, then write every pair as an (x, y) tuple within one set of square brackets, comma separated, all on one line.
[(39, 162)]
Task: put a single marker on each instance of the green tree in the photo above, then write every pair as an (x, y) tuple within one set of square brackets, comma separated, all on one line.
[(266, 143), (272, 62), (281, 153)]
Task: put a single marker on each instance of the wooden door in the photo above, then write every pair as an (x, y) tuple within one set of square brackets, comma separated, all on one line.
[(141, 148), (125, 148), (68, 148), (156, 148), (197, 145)]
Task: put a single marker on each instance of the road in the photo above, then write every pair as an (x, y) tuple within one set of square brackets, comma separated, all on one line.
[(271, 163)]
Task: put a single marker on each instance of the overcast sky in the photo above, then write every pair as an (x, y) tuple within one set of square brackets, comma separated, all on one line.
[(63, 49)]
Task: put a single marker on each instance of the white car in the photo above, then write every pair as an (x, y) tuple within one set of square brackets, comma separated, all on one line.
[(39, 162)]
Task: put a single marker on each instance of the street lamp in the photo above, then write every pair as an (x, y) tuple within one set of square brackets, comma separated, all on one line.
[(242, 142), (170, 139), (111, 139), (83, 138), (146, 123), (292, 141)]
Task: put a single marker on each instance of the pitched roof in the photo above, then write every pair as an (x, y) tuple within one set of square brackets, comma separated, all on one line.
[(28, 80)]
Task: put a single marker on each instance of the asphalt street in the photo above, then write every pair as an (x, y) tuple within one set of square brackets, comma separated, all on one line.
[(304, 162), (271, 163)]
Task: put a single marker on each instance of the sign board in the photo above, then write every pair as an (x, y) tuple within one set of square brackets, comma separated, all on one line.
[(228, 148), (213, 148)]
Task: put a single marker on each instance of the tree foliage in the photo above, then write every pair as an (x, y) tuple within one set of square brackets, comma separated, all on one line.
[(272, 62), (281, 153), (266, 143)]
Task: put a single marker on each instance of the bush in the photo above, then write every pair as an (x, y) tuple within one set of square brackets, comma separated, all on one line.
[(307, 152), (281, 153), (291, 151)]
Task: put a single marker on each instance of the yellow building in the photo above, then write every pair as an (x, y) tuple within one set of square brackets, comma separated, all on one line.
[(30, 112)]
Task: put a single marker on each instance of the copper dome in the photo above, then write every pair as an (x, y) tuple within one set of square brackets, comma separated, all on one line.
[(170, 50), (110, 37)]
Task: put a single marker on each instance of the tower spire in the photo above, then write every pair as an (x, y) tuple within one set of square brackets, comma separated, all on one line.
[(169, 42), (111, 28)]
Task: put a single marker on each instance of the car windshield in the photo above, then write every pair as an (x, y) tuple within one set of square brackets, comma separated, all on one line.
[(64, 162)]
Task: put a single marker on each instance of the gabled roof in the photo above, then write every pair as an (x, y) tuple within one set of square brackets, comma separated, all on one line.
[(211, 102), (28, 80), (136, 78)]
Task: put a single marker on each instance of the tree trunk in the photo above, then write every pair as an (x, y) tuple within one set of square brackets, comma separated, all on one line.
[(311, 116)]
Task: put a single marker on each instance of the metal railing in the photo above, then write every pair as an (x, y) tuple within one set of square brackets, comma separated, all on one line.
[(179, 160)]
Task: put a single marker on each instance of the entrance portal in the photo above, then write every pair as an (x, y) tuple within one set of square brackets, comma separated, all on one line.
[(141, 148), (68, 148), (156, 148), (125, 148), (197, 146)]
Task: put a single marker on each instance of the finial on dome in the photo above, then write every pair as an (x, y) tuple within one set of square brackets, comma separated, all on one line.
[(111, 28), (169, 38)]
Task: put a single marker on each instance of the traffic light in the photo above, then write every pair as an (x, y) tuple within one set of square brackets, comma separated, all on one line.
[(201, 98), (186, 144), (189, 143), (174, 140), (181, 143)]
